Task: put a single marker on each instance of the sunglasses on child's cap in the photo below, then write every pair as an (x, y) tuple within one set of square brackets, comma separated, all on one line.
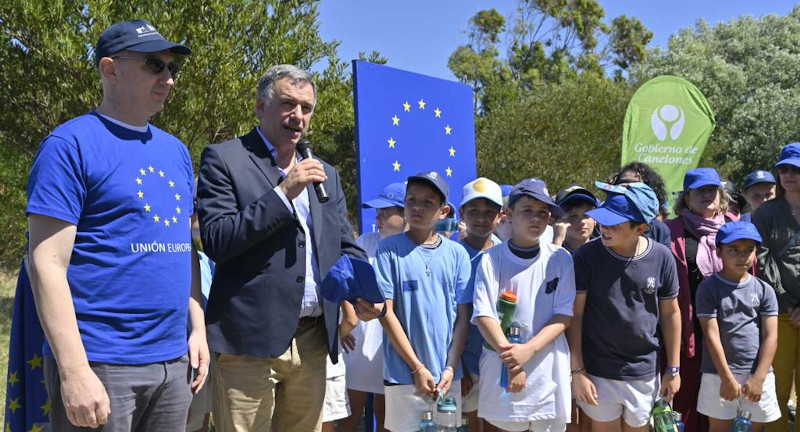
[(156, 65)]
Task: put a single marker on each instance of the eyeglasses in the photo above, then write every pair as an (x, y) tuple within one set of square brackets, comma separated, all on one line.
[(155, 65), (786, 169)]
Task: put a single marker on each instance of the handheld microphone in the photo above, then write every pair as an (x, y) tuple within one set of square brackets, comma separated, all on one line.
[(304, 148)]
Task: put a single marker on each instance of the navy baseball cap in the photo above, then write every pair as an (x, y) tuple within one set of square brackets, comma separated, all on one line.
[(644, 202), (537, 189), (138, 35), (758, 176), (790, 155), (700, 177), (393, 195), (575, 192), (349, 279), (737, 230), (434, 179)]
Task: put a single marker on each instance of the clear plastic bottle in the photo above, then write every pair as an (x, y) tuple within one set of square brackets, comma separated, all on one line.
[(446, 415), (679, 421), (742, 422), (515, 338), (426, 423)]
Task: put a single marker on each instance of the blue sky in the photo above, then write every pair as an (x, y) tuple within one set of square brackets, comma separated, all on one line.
[(419, 36)]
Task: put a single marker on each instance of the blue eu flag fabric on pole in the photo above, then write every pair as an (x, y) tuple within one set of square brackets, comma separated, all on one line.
[(407, 123), (27, 405)]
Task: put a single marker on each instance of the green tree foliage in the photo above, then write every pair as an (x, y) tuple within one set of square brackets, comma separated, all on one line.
[(546, 108), (48, 76), (747, 68)]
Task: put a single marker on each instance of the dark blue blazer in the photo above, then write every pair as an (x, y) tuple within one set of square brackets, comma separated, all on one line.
[(257, 244)]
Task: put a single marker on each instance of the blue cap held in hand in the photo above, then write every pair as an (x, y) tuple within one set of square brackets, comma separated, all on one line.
[(349, 279), (737, 230)]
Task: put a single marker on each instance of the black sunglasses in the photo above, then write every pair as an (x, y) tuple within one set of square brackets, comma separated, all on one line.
[(155, 65), (786, 169)]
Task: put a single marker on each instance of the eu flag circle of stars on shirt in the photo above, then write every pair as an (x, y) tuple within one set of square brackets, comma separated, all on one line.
[(437, 113), (148, 180)]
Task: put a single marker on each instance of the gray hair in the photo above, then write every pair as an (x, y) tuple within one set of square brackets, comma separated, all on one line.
[(267, 81)]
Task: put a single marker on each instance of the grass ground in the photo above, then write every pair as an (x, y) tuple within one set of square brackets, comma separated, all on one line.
[(8, 284)]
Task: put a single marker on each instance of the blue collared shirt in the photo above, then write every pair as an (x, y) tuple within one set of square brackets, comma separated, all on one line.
[(311, 306)]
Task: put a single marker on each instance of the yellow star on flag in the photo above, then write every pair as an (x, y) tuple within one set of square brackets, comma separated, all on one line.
[(171, 183), (395, 121), (421, 104), (36, 361), (13, 378), (151, 168), (142, 171), (147, 208), (14, 405), (406, 106), (396, 166), (447, 130), (452, 152), (37, 427), (391, 142), (160, 173), (140, 193), (46, 407), (449, 172), (178, 210), (138, 180), (438, 112), (166, 222), (156, 218), (178, 197), (174, 219)]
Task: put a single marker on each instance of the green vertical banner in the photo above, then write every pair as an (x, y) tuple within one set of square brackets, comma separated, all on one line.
[(667, 126)]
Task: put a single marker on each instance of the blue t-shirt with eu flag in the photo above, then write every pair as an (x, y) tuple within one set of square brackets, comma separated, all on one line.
[(129, 194), (425, 302)]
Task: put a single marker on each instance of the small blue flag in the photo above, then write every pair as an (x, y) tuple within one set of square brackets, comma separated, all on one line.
[(27, 404), (407, 123)]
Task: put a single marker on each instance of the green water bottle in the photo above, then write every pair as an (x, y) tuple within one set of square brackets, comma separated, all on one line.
[(663, 421), (506, 306)]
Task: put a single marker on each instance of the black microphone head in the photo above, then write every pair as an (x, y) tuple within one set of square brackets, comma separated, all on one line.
[(303, 145)]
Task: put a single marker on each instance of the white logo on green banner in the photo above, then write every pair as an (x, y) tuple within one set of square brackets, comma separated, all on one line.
[(667, 126)]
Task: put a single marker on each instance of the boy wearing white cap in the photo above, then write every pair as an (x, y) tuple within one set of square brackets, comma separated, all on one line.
[(480, 211)]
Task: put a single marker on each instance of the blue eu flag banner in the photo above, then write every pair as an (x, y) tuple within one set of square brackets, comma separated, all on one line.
[(27, 405), (407, 123)]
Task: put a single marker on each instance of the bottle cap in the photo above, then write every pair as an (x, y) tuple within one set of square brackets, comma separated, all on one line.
[(678, 416), (509, 296), (427, 415), (447, 405), (513, 331), (744, 414)]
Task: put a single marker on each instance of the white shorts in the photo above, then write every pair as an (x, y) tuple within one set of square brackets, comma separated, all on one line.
[(337, 405), (469, 403), (404, 406), (555, 425), (711, 404), (631, 400)]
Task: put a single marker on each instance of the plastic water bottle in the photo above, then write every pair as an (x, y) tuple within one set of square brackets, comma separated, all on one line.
[(446, 415), (742, 422), (513, 337), (663, 421), (506, 306), (679, 421), (464, 424), (426, 423)]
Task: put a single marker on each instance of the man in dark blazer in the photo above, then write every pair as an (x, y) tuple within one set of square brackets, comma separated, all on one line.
[(273, 242)]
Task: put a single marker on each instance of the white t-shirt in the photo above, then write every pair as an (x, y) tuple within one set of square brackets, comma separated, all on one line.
[(365, 363), (545, 286)]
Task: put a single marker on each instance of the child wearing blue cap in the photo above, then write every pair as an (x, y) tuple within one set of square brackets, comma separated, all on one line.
[(539, 276), (739, 316), (626, 286), (365, 362), (759, 187), (424, 278)]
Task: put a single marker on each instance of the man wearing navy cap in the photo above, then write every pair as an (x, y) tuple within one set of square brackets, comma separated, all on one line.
[(114, 272), (759, 187)]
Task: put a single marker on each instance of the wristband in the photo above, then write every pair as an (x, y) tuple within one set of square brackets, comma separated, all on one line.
[(576, 371), (673, 370), (419, 368)]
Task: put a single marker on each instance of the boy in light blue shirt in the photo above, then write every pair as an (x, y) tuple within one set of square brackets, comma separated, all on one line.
[(424, 278)]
